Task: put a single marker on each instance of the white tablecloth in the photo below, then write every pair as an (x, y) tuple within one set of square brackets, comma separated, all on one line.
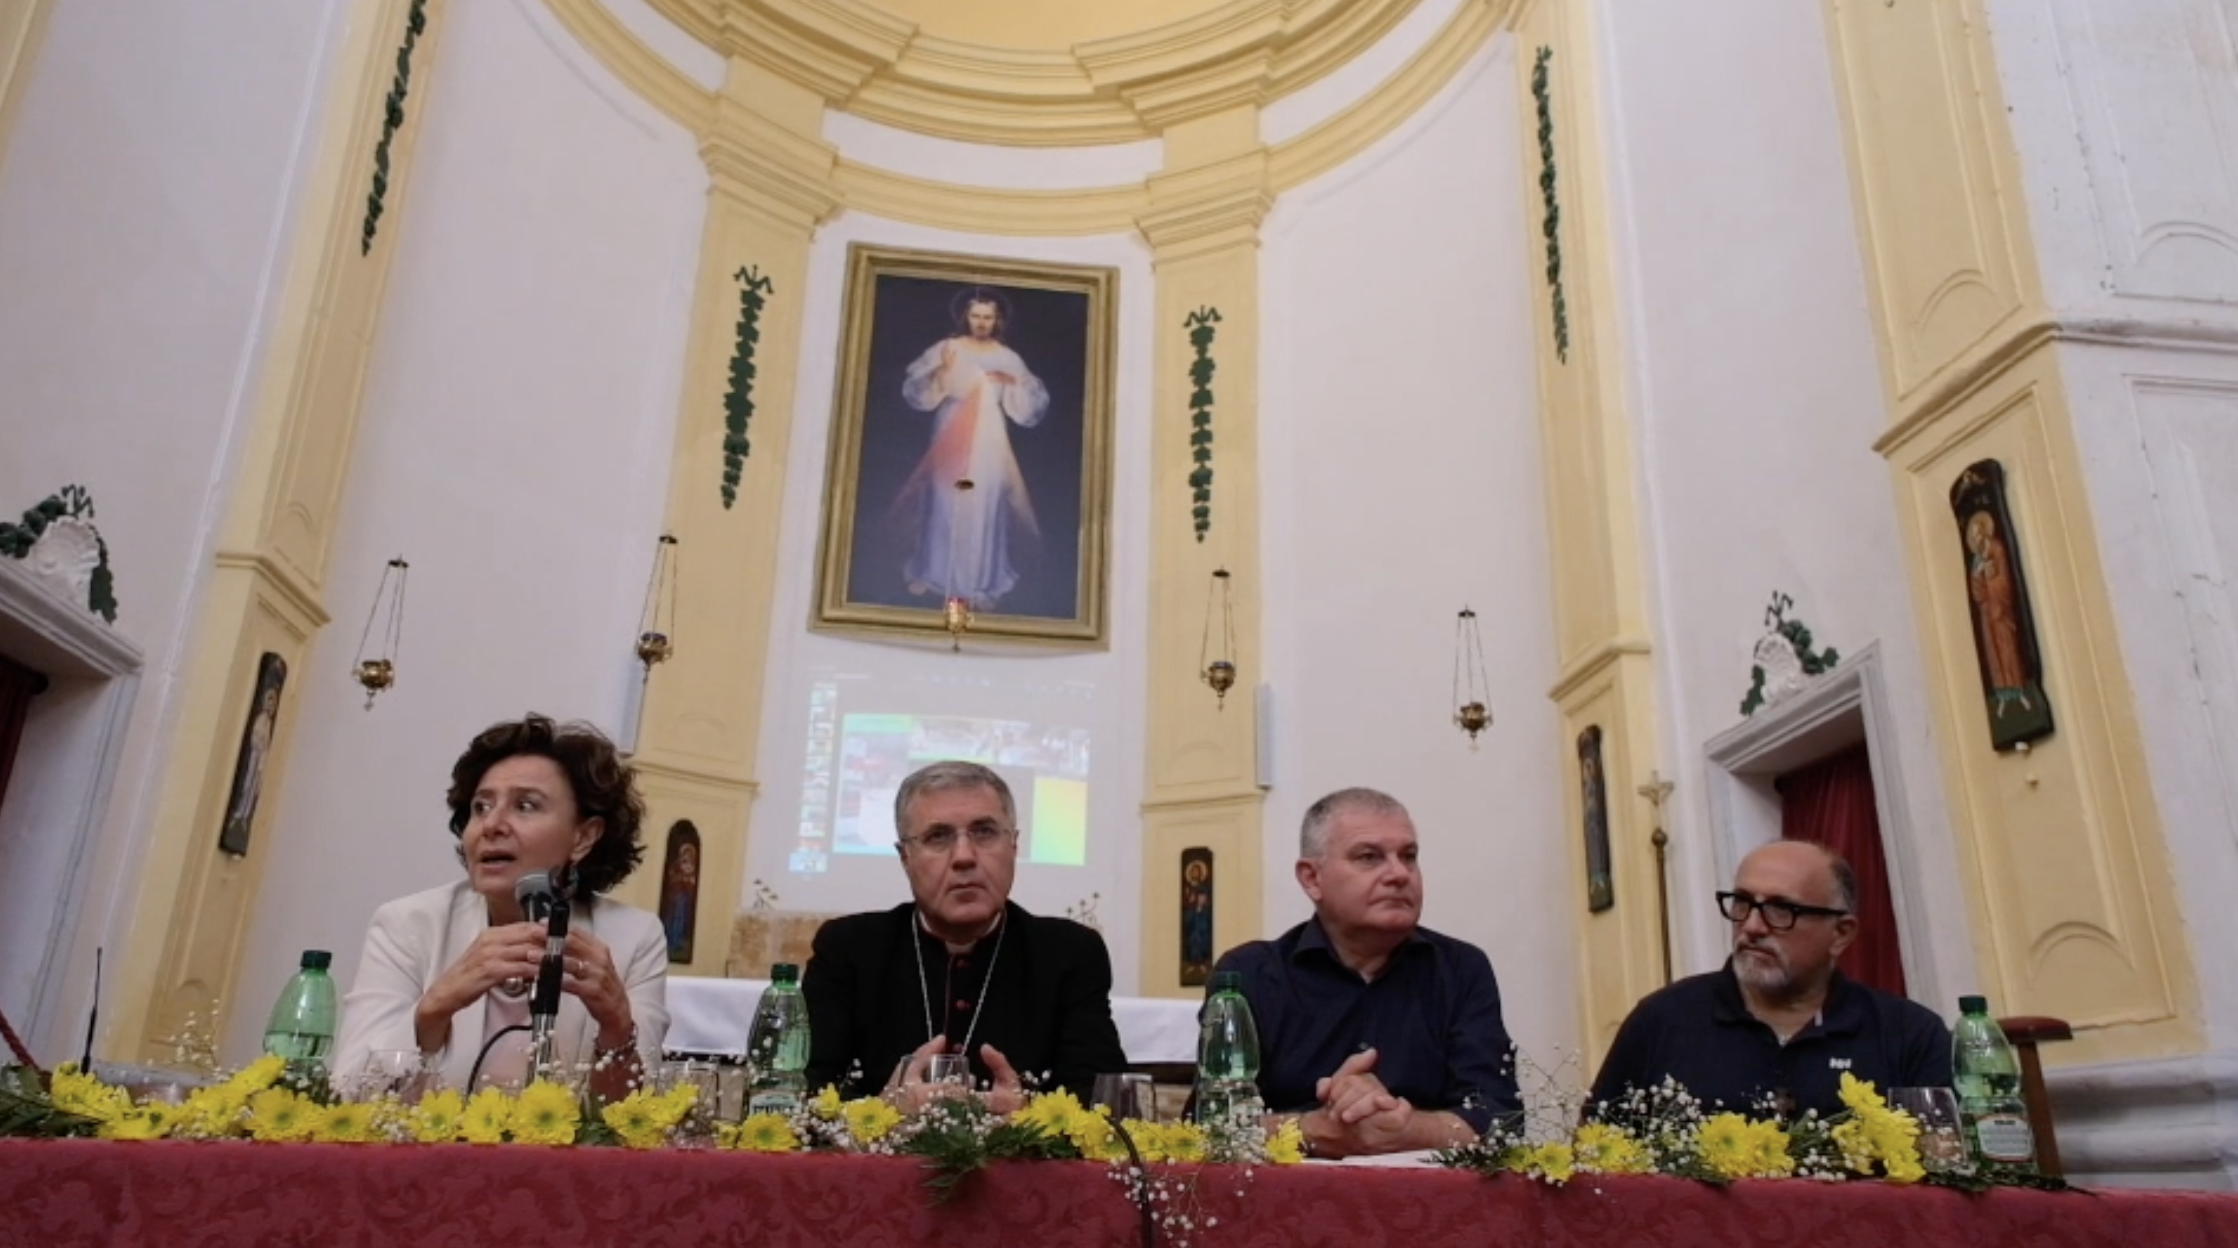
[(713, 1016)]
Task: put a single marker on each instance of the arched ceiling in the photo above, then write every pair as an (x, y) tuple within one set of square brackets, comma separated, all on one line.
[(1041, 72)]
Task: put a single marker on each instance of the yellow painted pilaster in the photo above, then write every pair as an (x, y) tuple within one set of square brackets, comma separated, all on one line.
[(1600, 610), (1201, 787), (701, 727), (2066, 870), (22, 25), (266, 589)]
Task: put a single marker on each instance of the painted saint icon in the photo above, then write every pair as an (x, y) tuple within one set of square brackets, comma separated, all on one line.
[(2012, 668)]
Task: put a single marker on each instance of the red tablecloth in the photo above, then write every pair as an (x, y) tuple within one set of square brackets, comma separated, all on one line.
[(57, 1194)]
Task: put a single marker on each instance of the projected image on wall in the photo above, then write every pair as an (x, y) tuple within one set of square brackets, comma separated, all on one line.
[(857, 759)]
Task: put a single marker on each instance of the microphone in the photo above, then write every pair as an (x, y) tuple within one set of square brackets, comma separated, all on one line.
[(541, 901)]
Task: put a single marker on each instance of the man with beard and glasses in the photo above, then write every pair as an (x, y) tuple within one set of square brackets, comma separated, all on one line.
[(1779, 1024)]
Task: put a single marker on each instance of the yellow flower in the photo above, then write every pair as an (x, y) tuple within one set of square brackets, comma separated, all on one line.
[(1286, 1147), (1554, 1162), (1607, 1149), (1168, 1141), (278, 1114), (1769, 1158), (636, 1121), (1048, 1113), (825, 1105), (766, 1133), (86, 1096), (1728, 1146), (257, 1075), (484, 1119), (869, 1119), (346, 1123), (435, 1120), (670, 1107), (142, 1122), (210, 1113), (1904, 1169), (1856, 1146), (1090, 1132), (546, 1113), (1859, 1096)]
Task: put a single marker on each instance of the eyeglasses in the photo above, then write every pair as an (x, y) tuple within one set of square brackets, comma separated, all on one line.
[(1780, 916), (941, 838)]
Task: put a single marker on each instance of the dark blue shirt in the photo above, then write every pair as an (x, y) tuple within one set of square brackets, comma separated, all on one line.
[(1432, 1016), (1699, 1032)]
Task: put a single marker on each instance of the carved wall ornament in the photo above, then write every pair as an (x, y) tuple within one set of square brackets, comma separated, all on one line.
[(1202, 326), (1543, 94), (392, 121), (1787, 661), (738, 402), (59, 545)]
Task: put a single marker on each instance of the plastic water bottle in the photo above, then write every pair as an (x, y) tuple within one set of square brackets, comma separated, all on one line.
[(777, 1047), (1987, 1072), (1228, 1057), (301, 1029)]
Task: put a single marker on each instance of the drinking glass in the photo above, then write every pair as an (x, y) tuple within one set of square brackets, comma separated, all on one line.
[(1942, 1145), (697, 1128), (404, 1075), (1127, 1096), (950, 1073)]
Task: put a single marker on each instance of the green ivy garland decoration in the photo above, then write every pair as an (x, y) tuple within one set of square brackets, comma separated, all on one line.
[(16, 541), (391, 122), (1553, 225), (1201, 332), (1798, 634), (738, 402)]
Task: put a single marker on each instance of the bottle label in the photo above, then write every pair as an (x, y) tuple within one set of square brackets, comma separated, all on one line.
[(2005, 1138)]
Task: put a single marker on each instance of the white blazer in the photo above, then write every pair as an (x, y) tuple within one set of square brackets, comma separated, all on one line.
[(414, 939)]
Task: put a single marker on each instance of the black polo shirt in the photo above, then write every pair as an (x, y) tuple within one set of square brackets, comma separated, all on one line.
[(1432, 1016), (1699, 1032)]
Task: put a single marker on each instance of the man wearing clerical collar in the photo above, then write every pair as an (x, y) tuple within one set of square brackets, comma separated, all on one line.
[(960, 968), (1779, 1024), (1380, 1034)]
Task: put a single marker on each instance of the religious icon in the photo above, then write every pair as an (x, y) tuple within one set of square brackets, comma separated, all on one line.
[(256, 746), (1196, 917), (679, 908), (969, 472), (2012, 668), (1600, 883)]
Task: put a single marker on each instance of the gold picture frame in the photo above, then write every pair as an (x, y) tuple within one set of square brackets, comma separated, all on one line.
[(968, 368)]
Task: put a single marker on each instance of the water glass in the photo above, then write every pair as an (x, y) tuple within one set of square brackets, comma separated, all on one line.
[(1127, 1096), (404, 1075), (1942, 1144), (697, 1127), (950, 1074)]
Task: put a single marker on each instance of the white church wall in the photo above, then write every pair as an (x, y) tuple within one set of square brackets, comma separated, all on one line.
[(514, 447), (145, 206), (1756, 402), (1099, 691), (1401, 468)]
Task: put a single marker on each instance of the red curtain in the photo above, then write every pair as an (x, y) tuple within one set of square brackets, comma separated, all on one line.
[(1830, 802), (18, 685)]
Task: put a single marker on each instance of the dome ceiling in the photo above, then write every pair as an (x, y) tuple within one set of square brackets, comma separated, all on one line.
[(1044, 25)]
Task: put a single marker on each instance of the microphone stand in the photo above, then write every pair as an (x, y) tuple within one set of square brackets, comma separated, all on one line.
[(544, 1006)]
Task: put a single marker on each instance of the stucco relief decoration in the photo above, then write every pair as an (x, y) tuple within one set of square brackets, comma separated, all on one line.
[(738, 402), (1201, 326), (60, 545), (392, 120), (1542, 92), (1787, 661)]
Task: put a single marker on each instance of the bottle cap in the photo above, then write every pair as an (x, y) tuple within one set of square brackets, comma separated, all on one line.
[(1224, 981), (784, 973), (317, 959), (1973, 1005)]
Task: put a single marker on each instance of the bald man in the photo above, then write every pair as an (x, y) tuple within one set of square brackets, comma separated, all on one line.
[(1779, 1023)]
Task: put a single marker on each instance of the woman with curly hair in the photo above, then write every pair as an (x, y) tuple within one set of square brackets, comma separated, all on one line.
[(448, 969)]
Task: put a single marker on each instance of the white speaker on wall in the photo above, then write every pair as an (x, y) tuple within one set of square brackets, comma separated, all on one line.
[(1262, 719)]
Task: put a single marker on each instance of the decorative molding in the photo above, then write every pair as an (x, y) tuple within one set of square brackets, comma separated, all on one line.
[(1559, 302), (290, 588), (675, 93), (61, 547), (1590, 664), (1786, 660), (738, 401), (1202, 326), (414, 23)]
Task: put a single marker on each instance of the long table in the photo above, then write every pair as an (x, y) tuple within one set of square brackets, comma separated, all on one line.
[(65, 1193)]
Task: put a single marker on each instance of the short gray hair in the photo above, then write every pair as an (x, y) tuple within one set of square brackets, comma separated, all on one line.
[(1313, 834), (1845, 881), (950, 774)]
